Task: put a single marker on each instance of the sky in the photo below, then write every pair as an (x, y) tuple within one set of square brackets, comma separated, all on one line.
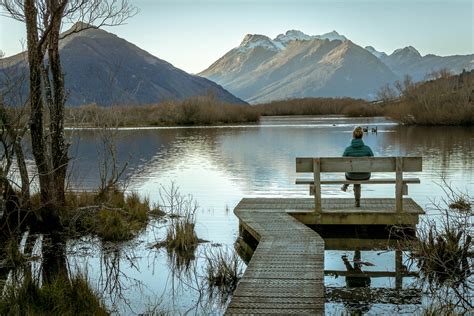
[(192, 34)]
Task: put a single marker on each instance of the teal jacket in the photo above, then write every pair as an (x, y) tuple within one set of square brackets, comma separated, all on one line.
[(358, 149)]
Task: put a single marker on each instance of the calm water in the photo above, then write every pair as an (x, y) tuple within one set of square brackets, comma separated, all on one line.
[(221, 165)]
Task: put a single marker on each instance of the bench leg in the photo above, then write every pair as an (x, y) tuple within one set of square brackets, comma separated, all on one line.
[(357, 194)]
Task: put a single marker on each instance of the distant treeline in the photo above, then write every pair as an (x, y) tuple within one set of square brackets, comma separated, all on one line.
[(208, 110), (444, 100), (203, 110), (319, 106)]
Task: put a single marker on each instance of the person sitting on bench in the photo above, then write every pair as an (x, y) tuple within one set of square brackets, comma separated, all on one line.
[(357, 149)]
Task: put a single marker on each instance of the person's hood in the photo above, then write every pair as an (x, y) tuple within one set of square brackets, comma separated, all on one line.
[(357, 143)]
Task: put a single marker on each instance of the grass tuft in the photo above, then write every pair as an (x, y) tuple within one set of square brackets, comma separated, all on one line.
[(112, 216), (60, 297), (223, 271)]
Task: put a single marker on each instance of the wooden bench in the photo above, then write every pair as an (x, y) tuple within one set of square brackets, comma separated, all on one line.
[(359, 164)]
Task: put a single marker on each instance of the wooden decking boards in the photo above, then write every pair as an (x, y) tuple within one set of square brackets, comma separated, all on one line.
[(286, 272)]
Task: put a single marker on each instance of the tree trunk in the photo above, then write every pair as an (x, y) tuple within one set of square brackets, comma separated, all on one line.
[(49, 214), (59, 147)]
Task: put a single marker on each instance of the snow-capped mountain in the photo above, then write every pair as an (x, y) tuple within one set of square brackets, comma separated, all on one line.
[(296, 64), (375, 52), (251, 41), (282, 40), (302, 65), (102, 68)]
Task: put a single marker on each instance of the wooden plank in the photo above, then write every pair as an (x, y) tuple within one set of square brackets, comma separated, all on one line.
[(317, 186), (359, 164), (371, 181)]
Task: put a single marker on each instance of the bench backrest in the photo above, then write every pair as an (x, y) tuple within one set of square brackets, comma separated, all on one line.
[(360, 164)]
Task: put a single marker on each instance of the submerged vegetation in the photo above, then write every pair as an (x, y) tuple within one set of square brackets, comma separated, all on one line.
[(181, 239), (223, 272), (443, 254)]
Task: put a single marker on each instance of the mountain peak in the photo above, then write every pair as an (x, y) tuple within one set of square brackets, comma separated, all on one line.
[(297, 34), (79, 26), (407, 51), (291, 35), (375, 52), (251, 41), (332, 36)]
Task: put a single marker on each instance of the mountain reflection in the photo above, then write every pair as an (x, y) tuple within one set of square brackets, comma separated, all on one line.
[(260, 160)]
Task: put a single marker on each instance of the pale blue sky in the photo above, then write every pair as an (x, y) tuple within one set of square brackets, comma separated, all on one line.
[(193, 34)]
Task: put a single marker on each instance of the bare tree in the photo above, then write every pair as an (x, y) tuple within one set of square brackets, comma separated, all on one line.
[(44, 20), (13, 126)]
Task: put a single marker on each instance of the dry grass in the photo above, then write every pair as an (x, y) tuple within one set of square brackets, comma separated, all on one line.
[(319, 106), (181, 235), (112, 216), (443, 254), (224, 270), (205, 110), (60, 297)]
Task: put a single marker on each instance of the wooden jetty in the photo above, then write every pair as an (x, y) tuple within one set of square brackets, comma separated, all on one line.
[(285, 274)]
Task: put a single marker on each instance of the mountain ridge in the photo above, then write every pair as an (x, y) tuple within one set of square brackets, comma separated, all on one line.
[(102, 68)]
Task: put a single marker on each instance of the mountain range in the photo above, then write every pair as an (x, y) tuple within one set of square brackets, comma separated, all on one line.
[(104, 69), (101, 68), (295, 64)]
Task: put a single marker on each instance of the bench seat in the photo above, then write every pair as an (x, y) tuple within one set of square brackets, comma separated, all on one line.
[(345, 181)]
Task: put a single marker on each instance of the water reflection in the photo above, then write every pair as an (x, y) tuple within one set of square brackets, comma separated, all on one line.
[(221, 165), (355, 278), (365, 272)]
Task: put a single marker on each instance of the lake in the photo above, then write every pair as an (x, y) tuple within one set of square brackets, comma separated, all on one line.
[(220, 165)]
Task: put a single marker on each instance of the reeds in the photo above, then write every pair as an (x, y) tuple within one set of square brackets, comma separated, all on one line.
[(181, 239), (223, 269), (59, 297), (443, 252)]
